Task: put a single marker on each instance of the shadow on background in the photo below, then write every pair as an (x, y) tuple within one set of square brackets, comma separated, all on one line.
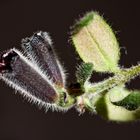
[(19, 120)]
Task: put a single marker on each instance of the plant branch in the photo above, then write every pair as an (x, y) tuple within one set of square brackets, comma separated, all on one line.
[(120, 78)]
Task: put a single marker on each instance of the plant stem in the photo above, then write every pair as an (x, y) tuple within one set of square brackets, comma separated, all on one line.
[(121, 77), (94, 91)]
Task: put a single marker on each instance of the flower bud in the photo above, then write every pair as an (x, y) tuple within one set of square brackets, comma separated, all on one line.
[(39, 50), (96, 43), (23, 76)]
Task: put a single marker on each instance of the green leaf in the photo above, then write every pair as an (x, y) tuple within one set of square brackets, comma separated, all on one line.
[(96, 43), (131, 102), (84, 72), (109, 111)]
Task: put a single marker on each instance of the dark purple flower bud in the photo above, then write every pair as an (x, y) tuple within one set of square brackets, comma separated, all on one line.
[(39, 50), (22, 75)]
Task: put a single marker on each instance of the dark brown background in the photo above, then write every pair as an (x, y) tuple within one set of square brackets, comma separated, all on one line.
[(19, 120)]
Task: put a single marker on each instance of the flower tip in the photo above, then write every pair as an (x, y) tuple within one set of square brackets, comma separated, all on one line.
[(5, 59)]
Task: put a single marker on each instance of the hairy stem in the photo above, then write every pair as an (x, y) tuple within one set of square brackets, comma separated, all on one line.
[(121, 77), (94, 91)]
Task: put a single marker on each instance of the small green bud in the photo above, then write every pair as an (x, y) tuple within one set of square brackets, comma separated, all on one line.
[(96, 43)]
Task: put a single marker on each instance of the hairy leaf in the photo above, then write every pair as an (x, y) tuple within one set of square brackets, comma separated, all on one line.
[(131, 102), (109, 111), (84, 72)]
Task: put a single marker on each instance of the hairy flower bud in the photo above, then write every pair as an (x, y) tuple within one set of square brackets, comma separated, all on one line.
[(22, 75), (95, 42), (39, 49)]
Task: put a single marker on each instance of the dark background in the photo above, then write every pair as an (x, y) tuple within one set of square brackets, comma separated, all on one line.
[(19, 120)]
